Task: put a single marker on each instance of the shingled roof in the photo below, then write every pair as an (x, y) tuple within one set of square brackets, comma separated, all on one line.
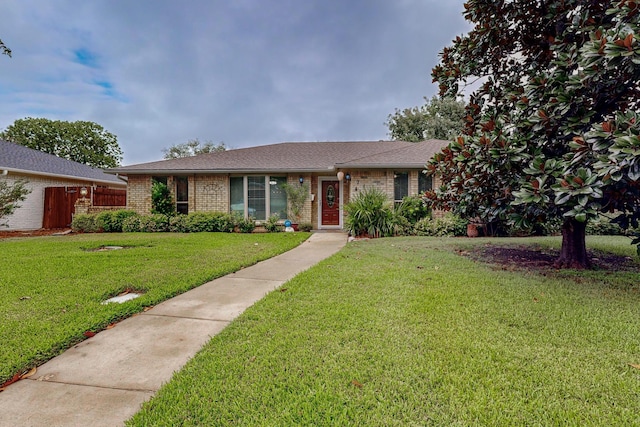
[(297, 157), (20, 159)]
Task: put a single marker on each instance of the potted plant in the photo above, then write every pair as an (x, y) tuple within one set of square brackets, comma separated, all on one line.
[(475, 228), (297, 195)]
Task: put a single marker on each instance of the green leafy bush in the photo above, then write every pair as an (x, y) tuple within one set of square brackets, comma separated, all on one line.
[(305, 226), (271, 224), (178, 224), (146, 223), (601, 226), (161, 199), (413, 209), (197, 222), (133, 224), (448, 225), (85, 223), (156, 223), (246, 225), (370, 213), (224, 222), (111, 221)]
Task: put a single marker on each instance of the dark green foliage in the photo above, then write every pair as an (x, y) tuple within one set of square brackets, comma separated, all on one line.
[(413, 208), (161, 199), (111, 221), (129, 221), (209, 221), (10, 195), (370, 213), (246, 225), (553, 130), (84, 223), (448, 225), (146, 223), (80, 141), (271, 225), (601, 226), (305, 226), (437, 119)]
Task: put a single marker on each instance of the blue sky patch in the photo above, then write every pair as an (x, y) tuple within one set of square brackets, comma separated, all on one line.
[(86, 57)]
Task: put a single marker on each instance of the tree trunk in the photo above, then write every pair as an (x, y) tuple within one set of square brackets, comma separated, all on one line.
[(574, 249)]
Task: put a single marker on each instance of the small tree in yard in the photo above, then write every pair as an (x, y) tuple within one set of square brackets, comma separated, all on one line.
[(297, 195), (10, 196), (161, 199), (554, 130)]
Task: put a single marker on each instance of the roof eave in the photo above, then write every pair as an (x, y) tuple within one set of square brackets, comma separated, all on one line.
[(382, 166), (55, 175), (211, 171)]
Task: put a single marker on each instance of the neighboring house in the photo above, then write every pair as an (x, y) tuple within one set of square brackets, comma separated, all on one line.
[(42, 170), (248, 181)]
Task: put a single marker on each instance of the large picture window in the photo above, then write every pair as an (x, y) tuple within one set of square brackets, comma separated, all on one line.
[(258, 197)]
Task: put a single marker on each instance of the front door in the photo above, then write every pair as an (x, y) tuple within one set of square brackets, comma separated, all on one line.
[(330, 203)]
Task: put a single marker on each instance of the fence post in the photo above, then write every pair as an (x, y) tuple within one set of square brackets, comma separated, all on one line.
[(82, 206)]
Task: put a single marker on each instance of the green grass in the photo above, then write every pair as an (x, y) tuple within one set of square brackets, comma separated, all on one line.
[(51, 288), (406, 332)]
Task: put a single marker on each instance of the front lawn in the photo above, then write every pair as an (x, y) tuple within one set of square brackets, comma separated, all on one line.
[(413, 331), (51, 288)]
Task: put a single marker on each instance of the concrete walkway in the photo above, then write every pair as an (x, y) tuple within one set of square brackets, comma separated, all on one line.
[(104, 380)]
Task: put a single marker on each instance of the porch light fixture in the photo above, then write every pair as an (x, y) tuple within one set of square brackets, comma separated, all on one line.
[(340, 175), (348, 176), (301, 179), (83, 192)]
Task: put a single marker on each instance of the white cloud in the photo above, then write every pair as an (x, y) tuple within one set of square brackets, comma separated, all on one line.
[(245, 72)]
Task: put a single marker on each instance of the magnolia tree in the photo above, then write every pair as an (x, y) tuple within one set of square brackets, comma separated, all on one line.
[(553, 131)]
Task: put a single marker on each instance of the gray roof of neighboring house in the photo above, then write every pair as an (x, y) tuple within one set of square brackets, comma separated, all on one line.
[(18, 158), (297, 157)]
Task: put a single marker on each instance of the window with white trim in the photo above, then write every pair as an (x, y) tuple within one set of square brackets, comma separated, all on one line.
[(257, 196)]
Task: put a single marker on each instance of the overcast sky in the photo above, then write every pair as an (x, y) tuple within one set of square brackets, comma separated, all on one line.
[(246, 72)]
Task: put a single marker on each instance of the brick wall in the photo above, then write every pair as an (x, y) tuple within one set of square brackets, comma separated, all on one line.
[(139, 194), (365, 179), (209, 193)]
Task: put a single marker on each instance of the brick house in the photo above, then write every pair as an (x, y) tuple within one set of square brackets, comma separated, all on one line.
[(42, 171), (248, 181)]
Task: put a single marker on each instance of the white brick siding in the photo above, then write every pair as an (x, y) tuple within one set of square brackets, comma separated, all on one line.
[(30, 214)]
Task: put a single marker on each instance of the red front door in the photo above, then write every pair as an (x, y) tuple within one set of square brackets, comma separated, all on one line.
[(330, 203)]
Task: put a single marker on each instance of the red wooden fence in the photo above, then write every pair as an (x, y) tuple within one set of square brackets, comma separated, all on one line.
[(109, 197), (59, 203)]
